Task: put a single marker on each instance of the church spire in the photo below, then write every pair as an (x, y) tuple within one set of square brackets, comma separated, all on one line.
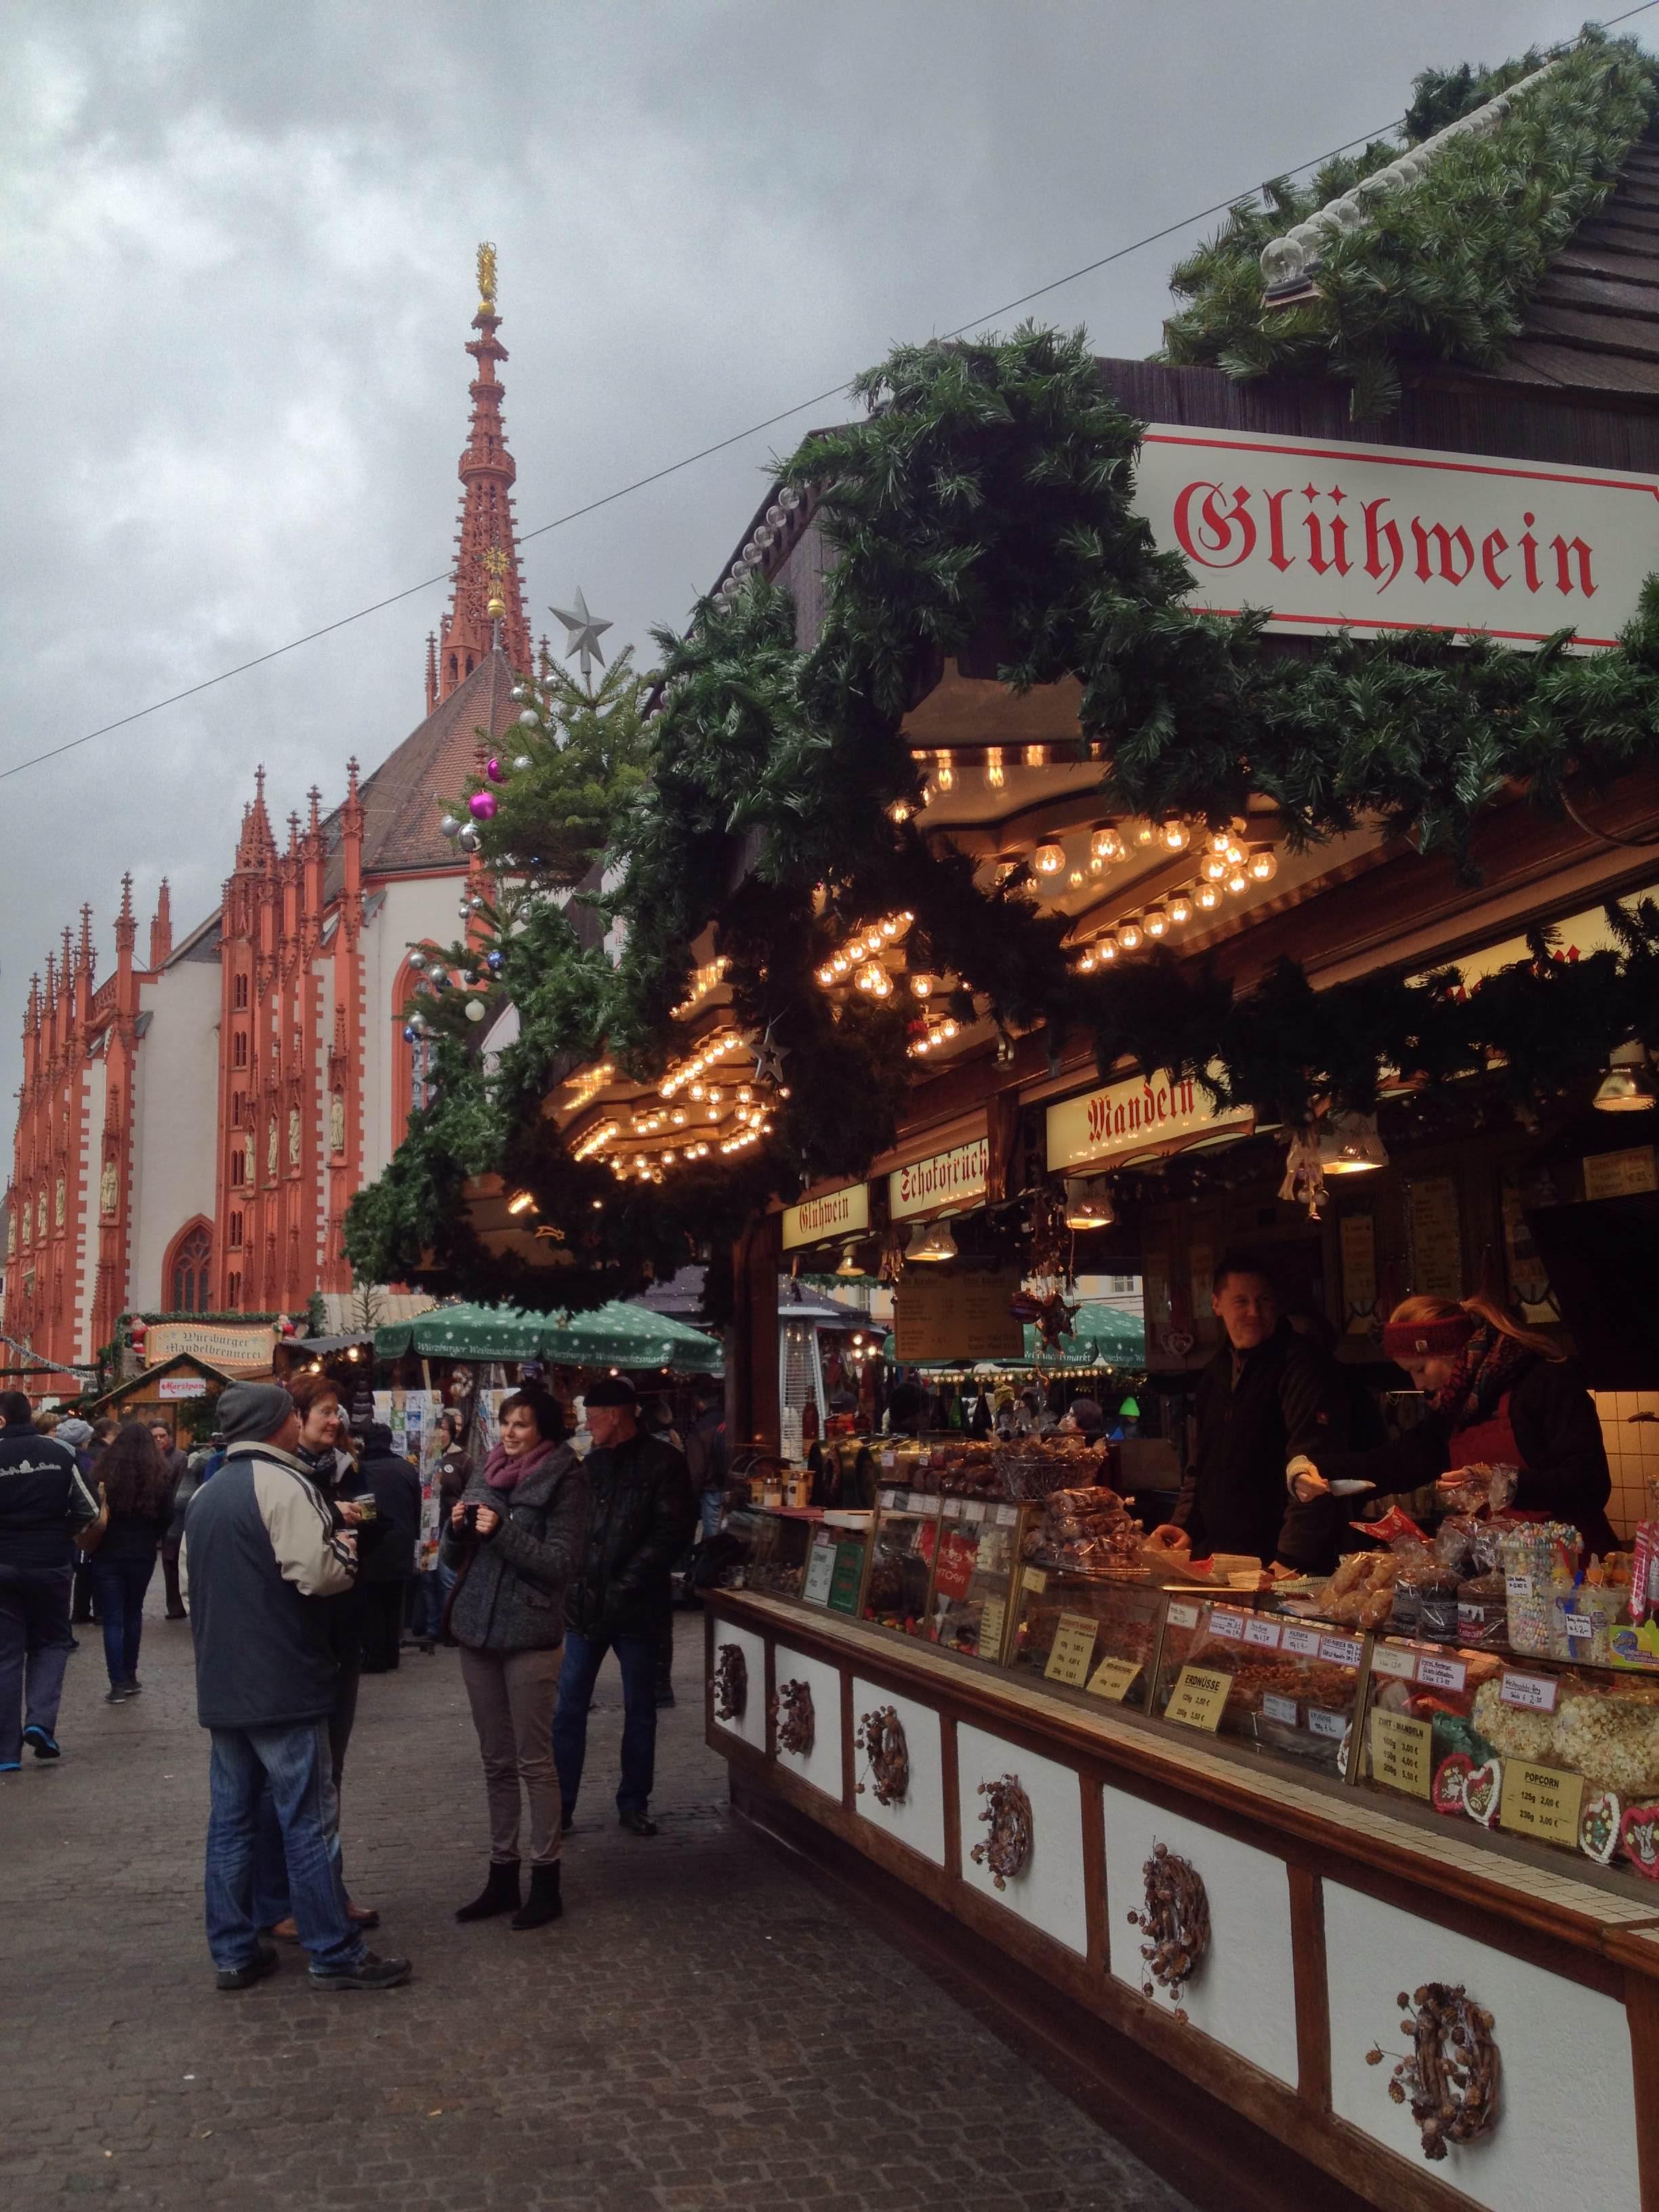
[(487, 587)]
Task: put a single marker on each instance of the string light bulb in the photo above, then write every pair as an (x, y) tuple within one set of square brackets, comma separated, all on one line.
[(1129, 935), (1214, 868), (1237, 881), (1145, 833), (1048, 858), (1157, 922), (1175, 835), (1263, 864), (1206, 897), (944, 776), (1106, 845), (921, 986), (1181, 908), (994, 770)]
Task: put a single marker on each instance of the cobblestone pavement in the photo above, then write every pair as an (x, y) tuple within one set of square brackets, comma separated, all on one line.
[(703, 2029)]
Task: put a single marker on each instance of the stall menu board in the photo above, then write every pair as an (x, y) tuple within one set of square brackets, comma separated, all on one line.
[(1436, 1243), (948, 1317), (1619, 1175)]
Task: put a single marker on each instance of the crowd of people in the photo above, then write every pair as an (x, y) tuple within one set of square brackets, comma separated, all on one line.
[(291, 1548)]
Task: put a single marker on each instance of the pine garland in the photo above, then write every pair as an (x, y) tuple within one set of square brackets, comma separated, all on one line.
[(988, 497), (1442, 271)]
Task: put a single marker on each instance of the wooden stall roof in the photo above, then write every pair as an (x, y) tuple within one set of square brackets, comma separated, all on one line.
[(137, 1386)]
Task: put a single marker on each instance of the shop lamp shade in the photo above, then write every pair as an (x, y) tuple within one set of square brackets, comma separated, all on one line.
[(1349, 1144), (1089, 1202), (931, 1240), (1627, 1087), (849, 1267)]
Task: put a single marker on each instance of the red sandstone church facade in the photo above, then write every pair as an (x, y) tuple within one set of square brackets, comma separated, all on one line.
[(138, 1183)]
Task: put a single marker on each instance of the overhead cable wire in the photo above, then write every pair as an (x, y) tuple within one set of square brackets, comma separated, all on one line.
[(720, 445)]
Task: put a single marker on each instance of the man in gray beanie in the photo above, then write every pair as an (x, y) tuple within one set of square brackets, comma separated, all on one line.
[(261, 1544)]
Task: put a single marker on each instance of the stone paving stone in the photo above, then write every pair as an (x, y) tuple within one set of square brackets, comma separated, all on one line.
[(703, 2032)]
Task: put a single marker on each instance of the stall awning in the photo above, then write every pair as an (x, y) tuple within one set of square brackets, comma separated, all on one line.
[(1102, 1336), (615, 1336)]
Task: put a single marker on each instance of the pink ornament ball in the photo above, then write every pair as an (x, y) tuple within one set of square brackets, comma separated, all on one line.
[(482, 805), (496, 772)]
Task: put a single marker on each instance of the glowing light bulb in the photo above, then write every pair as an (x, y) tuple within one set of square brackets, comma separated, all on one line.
[(1129, 936), (1206, 897), (1237, 881), (1175, 835), (1157, 922), (1214, 868), (944, 776), (1219, 840), (1108, 949), (1181, 908), (1088, 964), (1235, 853), (900, 810), (1106, 845), (993, 770), (1075, 879), (1048, 860), (1037, 755), (921, 986), (1264, 865), (1145, 833), (826, 976)]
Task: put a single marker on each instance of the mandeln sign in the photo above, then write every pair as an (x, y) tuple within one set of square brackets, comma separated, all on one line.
[(1386, 538)]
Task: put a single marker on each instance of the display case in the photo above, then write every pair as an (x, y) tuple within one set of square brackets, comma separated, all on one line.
[(1088, 1631), (971, 1606), (779, 1545), (836, 1562), (1560, 1753), (902, 1544), (1284, 1685)]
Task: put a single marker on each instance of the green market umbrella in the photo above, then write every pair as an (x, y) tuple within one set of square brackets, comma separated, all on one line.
[(614, 1335)]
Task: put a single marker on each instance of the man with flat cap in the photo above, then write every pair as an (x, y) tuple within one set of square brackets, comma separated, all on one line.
[(260, 1545), (641, 1513)]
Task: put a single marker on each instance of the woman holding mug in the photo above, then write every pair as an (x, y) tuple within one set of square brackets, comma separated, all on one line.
[(1499, 1396), (515, 1536)]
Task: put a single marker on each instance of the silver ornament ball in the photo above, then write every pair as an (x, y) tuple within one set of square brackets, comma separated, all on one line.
[(475, 1010), (449, 827)]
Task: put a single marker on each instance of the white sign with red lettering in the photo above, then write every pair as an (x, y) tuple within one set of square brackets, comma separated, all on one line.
[(1143, 1114), (1387, 538)]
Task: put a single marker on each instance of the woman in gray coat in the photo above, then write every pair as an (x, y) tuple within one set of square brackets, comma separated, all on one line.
[(515, 1537)]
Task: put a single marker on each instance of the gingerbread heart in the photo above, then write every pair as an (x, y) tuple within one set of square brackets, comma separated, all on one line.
[(1450, 1779), (1598, 1825), (1638, 1837), (1482, 1788)]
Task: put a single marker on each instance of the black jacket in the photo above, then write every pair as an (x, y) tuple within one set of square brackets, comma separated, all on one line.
[(396, 1489), (44, 1499), (1564, 1466), (641, 1516), (1287, 1398)]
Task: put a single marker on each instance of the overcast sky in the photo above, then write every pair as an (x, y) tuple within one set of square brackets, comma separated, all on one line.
[(236, 249)]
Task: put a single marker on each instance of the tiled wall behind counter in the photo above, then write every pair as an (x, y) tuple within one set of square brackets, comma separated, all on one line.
[(1630, 1430)]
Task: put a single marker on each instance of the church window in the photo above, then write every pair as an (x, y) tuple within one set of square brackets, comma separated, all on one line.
[(239, 1049), (236, 1230), (239, 993), (238, 1163), (191, 1262), (234, 1287)]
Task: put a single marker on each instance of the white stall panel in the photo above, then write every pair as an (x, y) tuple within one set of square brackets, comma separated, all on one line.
[(751, 1722), (918, 1818), (821, 1767), (1245, 1994), (1050, 1893), (1566, 2127)]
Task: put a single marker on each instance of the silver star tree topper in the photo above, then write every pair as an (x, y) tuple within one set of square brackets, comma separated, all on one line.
[(582, 633)]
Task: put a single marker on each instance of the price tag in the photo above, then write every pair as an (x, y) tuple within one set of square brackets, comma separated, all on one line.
[(1229, 1626), (1402, 1753), (890, 1501), (1262, 1632), (1303, 1642), (1518, 1585), (1541, 1802), (1386, 1660), (1434, 1673), (953, 1509), (1283, 1710), (990, 1629), (1199, 1698), (1534, 1694), (890, 1457), (1341, 1651), (1324, 1723), (1034, 1580), (1182, 1616), (1074, 1648), (820, 1572), (1006, 1515), (972, 1510), (1577, 1624), (1114, 1678)]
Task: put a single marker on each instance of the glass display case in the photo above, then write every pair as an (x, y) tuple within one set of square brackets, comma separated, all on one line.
[(902, 1544), (1089, 1631), (971, 1605), (778, 1547), (836, 1563), (1279, 1684)]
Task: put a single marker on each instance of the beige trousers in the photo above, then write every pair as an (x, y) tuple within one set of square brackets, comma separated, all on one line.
[(512, 1694)]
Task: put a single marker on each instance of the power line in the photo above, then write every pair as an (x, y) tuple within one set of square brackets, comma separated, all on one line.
[(707, 452)]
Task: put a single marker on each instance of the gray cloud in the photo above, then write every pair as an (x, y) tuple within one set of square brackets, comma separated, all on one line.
[(236, 276)]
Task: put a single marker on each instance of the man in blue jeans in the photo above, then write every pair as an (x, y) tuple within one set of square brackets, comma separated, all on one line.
[(641, 1518), (260, 1545), (43, 1499)]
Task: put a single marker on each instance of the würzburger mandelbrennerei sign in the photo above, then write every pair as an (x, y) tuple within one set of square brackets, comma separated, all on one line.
[(1381, 537)]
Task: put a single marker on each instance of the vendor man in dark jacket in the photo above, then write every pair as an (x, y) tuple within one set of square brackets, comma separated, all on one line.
[(640, 1517), (1267, 1395), (44, 1499), (388, 1564), (260, 1548)]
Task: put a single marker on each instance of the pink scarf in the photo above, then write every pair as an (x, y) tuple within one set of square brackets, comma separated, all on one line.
[(501, 1473)]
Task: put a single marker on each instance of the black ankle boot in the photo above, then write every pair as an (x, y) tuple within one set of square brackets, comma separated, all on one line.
[(544, 1902), (499, 1894)]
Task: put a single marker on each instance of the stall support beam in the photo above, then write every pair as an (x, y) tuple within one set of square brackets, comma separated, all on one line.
[(751, 1368)]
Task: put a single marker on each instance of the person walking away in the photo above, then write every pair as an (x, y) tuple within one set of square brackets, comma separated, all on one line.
[(261, 1548), (83, 1607), (137, 1486), (641, 1516), (388, 1567), (186, 1483), (44, 1500), (1266, 1395), (515, 1537), (1499, 1396), (333, 1473), (706, 1456)]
